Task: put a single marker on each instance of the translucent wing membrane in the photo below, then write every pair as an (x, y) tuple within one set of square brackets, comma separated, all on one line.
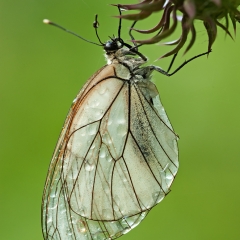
[(116, 159)]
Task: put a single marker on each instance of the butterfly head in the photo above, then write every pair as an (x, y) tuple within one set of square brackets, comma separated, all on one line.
[(113, 45)]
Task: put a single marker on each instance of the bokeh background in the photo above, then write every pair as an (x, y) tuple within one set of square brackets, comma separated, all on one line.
[(42, 70)]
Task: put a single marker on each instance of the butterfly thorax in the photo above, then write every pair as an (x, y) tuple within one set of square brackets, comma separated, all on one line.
[(124, 56)]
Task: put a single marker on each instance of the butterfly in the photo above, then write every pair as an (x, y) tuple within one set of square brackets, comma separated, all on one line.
[(117, 154)]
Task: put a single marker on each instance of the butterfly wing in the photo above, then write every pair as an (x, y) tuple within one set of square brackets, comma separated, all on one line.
[(116, 158)]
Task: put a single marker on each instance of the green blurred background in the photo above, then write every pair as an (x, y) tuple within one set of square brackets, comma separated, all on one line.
[(42, 70)]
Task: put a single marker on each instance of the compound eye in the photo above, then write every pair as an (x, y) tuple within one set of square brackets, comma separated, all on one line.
[(111, 46)]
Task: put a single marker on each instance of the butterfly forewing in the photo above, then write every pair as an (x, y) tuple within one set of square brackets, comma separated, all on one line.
[(116, 158)]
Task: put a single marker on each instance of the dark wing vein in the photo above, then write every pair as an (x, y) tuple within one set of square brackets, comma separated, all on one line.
[(149, 121)]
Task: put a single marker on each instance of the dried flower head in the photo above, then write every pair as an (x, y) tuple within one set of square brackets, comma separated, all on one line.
[(209, 12)]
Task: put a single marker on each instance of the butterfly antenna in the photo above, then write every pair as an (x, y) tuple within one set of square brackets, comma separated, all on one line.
[(96, 26), (46, 21), (120, 22)]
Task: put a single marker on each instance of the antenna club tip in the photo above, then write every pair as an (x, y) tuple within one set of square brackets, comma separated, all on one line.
[(46, 21)]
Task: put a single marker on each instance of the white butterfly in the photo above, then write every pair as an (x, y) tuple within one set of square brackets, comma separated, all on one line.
[(117, 155)]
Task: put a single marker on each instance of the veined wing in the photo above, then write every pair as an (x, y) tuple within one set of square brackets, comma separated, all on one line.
[(115, 160), (155, 139)]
